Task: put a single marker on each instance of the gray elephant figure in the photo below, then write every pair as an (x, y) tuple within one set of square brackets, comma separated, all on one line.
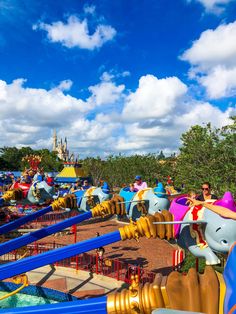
[(206, 229), (39, 193), (90, 198), (143, 202)]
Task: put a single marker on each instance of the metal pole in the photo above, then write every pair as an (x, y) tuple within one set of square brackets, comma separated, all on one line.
[(179, 222)]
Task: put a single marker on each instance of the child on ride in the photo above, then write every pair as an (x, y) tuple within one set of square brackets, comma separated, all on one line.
[(139, 184), (132, 188)]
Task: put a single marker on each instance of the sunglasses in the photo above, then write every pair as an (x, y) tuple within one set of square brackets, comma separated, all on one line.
[(205, 189)]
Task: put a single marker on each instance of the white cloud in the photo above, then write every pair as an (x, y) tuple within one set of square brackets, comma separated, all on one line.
[(148, 129), (75, 33), (65, 85), (214, 6), (106, 76), (106, 92), (213, 47), (27, 112), (29, 115), (112, 75), (89, 9), (125, 73), (154, 98), (204, 112), (213, 60), (165, 136), (220, 82), (94, 130)]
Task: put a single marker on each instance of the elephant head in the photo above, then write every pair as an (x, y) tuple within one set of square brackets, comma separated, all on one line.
[(40, 192), (146, 202), (217, 233), (220, 232), (89, 198)]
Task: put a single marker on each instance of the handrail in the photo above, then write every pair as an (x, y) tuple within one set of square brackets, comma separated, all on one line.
[(18, 279)]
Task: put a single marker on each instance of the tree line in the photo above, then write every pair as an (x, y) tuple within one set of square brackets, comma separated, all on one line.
[(11, 159), (206, 154)]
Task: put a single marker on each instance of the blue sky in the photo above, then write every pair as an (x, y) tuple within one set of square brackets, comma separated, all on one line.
[(115, 76)]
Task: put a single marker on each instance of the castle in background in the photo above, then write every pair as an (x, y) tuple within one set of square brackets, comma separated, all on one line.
[(60, 148)]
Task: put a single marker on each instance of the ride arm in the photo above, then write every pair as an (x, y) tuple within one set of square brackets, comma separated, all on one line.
[(99, 211), (57, 204), (42, 233), (143, 227), (23, 220)]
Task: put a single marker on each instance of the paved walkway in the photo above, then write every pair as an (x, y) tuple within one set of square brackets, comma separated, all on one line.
[(153, 254), (79, 283)]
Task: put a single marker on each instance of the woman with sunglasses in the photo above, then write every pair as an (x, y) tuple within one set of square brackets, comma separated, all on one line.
[(206, 193)]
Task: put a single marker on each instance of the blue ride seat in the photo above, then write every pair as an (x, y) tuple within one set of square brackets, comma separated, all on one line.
[(160, 191), (105, 188)]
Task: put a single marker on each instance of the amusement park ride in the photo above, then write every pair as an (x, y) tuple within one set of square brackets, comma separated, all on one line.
[(205, 229)]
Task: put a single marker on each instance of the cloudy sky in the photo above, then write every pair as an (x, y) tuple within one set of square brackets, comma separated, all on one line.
[(114, 76)]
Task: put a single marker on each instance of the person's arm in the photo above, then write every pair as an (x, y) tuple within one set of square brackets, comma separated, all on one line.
[(194, 202), (222, 211), (144, 185)]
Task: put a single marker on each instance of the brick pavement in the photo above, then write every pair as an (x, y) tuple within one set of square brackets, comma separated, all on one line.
[(153, 254)]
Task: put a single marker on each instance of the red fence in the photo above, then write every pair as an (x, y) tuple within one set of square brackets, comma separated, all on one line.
[(49, 219), (89, 262)]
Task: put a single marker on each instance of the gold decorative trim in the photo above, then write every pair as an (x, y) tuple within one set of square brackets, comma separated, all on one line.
[(69, 201), (14, 194), (138, 299), (113, 206), (145, 227)]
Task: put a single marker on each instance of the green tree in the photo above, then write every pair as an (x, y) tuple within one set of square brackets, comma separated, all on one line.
[(94, 167), (49, 162), (11, 158), (208, 154), (225, 162), (195, 163)]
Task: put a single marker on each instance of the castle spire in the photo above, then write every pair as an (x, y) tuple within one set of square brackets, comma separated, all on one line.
[(60, 147), (54, 148)]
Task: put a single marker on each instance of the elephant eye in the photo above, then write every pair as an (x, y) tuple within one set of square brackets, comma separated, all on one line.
[(224, 242)]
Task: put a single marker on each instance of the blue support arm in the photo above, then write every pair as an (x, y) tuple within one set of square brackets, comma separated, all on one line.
[(23, 220), (33, 262), (230, 281), (93, 306), (42, 233)]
